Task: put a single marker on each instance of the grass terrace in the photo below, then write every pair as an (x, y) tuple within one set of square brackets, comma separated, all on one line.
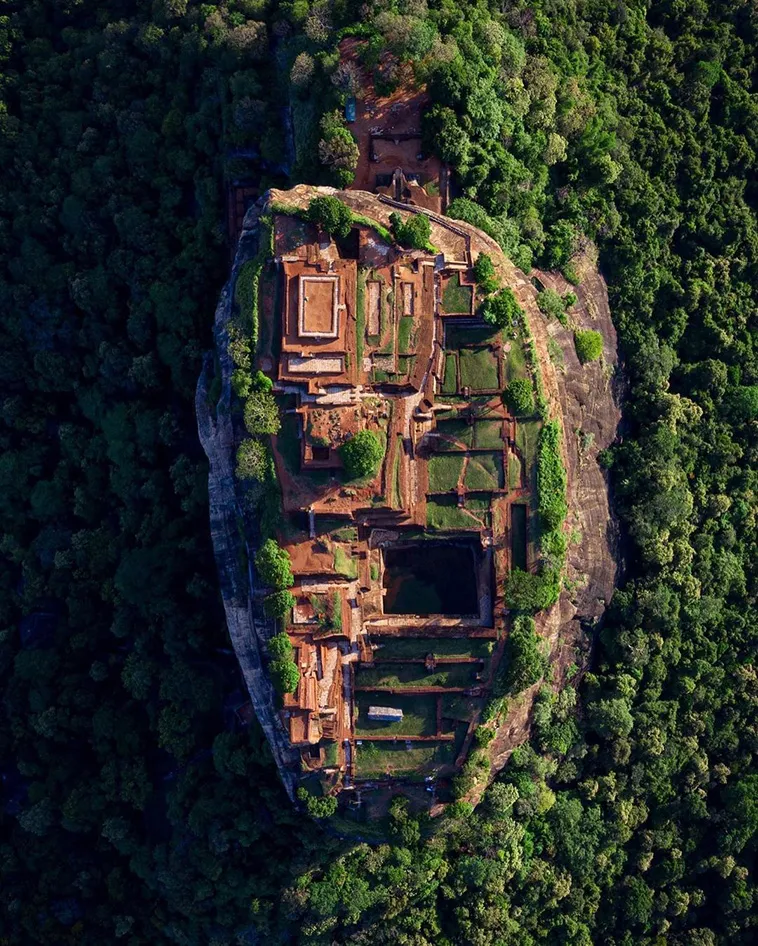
[(419, 715), (456, 299), (450, 381), (377, 759), (443, 514), (484, 471), (444, 472), (416, 675), (478, 369), (418, 647), (458, 336)]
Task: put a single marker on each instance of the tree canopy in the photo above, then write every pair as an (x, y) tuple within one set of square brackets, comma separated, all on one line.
[(361, 454)]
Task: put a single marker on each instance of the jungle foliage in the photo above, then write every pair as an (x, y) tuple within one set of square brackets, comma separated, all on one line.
[(132, 809)]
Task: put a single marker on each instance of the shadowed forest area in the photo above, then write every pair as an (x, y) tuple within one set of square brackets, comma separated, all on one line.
[(135, 806)]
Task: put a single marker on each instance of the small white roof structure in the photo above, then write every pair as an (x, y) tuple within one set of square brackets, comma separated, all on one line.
[(385, 714)]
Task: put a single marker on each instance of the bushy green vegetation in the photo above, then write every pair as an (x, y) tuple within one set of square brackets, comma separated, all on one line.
[(551, 303), (523, 662), (279, 604), (361, 455), (284, 675), (484, 274), (317, 806), (519, 396), (330, 215), (527, 591), (279, 646), (501, 309), (252, 460), (589, 345), (337, 150), (551, 478), (413, 232), (273, 566), (262, 413)]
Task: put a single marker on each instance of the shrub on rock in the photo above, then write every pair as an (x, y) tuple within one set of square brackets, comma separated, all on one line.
[(589, 345)]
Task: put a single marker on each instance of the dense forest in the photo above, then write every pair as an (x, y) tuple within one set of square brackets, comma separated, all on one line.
[(133, 809)]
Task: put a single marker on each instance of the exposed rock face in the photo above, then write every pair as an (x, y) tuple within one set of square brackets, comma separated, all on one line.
[(588, 400), (247, 627)]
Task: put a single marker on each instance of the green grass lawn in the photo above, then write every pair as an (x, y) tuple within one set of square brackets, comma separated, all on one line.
[(406, 364), (397, 499), (443, 514), (344, 563), (288, 440), (515, 362), (360, 316), (527, 433), (487, 434), (455, 428), (479, 369), (456, 336), (450, 381), (375, 759), (484, 471), (419, 715), (444, 471), (404, 331), (440, 647), (459, 706), (415, 675), (456, 298), (330, 753), (514, 471)]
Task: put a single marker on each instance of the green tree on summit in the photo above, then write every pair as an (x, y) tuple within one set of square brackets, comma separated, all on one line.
[(273, 565), (502, 309), (361, 455), (330, 215), (262, 413), (414, 231)]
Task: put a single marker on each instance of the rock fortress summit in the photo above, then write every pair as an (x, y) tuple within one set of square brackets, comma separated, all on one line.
[(402, 454)]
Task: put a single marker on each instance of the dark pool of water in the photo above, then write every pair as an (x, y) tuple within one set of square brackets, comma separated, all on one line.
[(430, 579), (518, 536)]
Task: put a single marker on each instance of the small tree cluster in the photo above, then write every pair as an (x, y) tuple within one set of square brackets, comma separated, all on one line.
[(262, 414), (244, 383), (273, 566), (337, 150), (280, 646), (283, 670), (550, 302), (323, 806), (252, 460), (330, 215), (361, 455), (589, 345), (551, 478), (525, 591), (284, 676), (484, 274), (501, 309), (520, 397), (413, 232), (279, 604), (523, 662)]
